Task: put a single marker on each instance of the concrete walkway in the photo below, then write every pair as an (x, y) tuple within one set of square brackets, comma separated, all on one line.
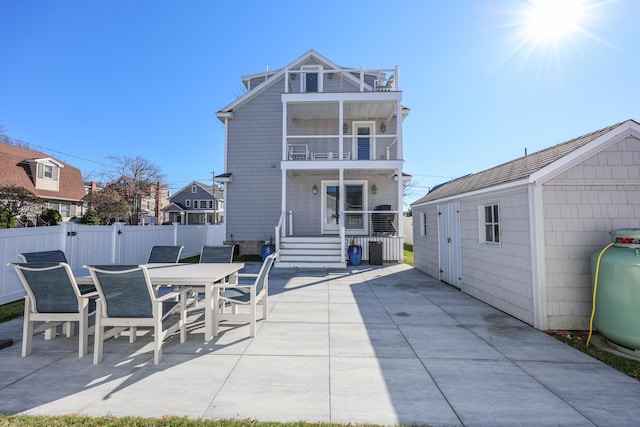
[(385, 345)]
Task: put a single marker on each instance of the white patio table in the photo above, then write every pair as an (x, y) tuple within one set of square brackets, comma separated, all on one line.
[(204, 275)]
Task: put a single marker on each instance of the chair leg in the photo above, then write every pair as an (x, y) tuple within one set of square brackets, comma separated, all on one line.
[(83, 333), (27, 328), (158, 337), (68, 329), (183, 318), (99, 336), (133, 334), (252, 313)]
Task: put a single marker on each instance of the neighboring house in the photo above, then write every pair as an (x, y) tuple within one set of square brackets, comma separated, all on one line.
[(151, 206), (311, 150), (60, 185), (519, 236), (196, 203)]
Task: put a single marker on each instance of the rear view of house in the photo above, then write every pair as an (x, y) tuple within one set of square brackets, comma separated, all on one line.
[(314, 158), (519, 236)]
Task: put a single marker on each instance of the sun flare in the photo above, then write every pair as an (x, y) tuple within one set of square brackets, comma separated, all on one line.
[(552, 20)]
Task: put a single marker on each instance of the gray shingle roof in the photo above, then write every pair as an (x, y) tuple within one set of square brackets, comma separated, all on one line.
[(513, 170)]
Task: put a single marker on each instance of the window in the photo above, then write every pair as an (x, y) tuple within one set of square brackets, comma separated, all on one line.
[(491, 222), (47, 171), (423, 224), (311, 79), (187, 203), (210, 204), (194, 188)]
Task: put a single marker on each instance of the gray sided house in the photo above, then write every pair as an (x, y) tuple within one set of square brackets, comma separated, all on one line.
[(313, 152), (196, 203), (519, 236)]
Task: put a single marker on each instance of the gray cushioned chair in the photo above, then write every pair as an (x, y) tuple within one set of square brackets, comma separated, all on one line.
[(165, 254), (221, 253), (251, 295), (53, 297), (128, 301)]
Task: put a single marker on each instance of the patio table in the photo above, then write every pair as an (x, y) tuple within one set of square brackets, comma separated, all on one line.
[(204, 275)]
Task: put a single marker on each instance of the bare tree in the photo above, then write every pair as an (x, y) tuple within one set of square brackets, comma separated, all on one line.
[(108, 204), (17, 201), (134, 178)]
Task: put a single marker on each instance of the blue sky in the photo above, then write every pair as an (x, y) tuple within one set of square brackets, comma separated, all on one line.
[(83, 80)]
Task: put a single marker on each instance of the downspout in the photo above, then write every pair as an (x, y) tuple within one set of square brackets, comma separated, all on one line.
[(400, 213)]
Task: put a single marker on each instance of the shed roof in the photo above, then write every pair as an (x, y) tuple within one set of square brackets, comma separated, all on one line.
[(514, 170)]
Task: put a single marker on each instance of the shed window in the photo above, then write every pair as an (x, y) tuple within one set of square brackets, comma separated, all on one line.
[(491, 224), (423, 224)]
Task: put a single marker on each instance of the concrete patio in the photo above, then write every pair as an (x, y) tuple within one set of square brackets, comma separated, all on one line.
[(385, 345)]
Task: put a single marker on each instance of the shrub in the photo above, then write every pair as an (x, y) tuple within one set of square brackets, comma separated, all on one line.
[(90, 218), (51, 216)]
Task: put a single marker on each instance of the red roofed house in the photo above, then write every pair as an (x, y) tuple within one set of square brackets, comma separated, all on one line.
[(57, 183)]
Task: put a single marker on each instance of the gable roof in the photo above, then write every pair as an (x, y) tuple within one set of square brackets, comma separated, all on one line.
[(520, 168), (275, 76), (212, 190), (14, 170)]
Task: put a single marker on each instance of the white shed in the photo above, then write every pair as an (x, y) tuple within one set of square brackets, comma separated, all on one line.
[(519, 236)]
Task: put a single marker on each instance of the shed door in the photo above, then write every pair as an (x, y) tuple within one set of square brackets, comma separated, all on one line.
[(449, 244)]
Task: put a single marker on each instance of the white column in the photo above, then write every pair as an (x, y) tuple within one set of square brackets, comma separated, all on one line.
[(340, 129)]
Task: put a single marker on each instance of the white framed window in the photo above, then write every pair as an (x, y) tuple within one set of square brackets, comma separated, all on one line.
[(47, 171), (187, 203), (311, 80), (489, 220), (423, 224), (194, 188), (210, 204), (363, 146)]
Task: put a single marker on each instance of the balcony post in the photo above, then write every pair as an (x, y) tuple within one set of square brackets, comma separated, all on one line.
[(286, 80), (340, 129)]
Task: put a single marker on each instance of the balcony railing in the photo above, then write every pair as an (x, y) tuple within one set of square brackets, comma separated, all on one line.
[(318, 79), (327, 147)]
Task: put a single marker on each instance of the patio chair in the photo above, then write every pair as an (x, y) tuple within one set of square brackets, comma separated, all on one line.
[(248, 294), (165, 254), (44, 256), (127, 301), (222, 253), (53, 297)]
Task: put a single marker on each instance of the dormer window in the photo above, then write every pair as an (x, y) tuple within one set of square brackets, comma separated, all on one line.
[(47, 171)]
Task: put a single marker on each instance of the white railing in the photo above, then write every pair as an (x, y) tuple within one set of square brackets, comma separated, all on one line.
[(327, 147), (369, 80), (87, 244)]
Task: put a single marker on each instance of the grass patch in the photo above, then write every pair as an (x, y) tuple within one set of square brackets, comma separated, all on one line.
[(408, 254), (75, 420), (578, 340), (11, 311)]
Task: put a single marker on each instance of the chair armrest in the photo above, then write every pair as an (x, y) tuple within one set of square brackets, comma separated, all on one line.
[(93, 294), (174, 294), (234, 285)]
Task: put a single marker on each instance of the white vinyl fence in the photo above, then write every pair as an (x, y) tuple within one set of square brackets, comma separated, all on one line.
[(90, 244)]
